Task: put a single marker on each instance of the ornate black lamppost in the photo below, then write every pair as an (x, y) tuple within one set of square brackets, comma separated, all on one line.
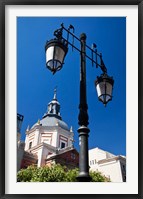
[(56, 50)]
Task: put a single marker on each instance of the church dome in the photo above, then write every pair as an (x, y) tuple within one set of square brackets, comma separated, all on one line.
[(53, 121), (53, 117)]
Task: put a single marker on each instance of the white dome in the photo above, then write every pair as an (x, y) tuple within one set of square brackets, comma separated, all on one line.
[(53, 121)]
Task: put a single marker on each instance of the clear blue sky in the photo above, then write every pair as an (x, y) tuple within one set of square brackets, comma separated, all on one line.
[(35, 83)]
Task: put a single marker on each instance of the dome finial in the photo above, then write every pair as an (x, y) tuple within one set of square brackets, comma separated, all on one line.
[(55, 93)]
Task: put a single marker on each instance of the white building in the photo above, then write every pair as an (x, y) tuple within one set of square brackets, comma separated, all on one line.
[(108, 164), (50, 136)]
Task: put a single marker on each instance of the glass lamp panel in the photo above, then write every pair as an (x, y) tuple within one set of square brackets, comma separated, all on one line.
[(108, 88), (54, 57), (53, 64), (49, 53), (104, 86), (55, 53), (100, 89), (101, 98), (108, 98), (59, 54), (104, 98), (104, 91), (50, 64)]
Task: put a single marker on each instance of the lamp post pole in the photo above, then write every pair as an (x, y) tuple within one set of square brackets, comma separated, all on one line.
[(83, 130)]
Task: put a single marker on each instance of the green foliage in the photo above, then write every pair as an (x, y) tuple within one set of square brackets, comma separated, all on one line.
[(71, 175), (49, 174), (55, 173), (25, 175), (98, 177)]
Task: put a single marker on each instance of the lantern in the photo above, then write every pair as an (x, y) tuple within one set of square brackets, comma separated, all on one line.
[(104, 87), (56, 50)]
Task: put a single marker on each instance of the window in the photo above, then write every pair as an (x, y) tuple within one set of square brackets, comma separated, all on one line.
[(72, 155), (63, 145), (30, 145), (92, 162), (63, 141)]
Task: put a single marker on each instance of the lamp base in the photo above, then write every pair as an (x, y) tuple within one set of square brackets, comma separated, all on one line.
[(84, 178)]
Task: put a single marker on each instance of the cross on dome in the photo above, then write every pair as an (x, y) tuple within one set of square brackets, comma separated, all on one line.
[(55, 93)]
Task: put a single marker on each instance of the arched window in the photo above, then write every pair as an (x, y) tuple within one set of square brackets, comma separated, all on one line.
[(30, 145)]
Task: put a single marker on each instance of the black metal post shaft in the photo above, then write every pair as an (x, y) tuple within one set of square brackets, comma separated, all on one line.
[(83, 130)]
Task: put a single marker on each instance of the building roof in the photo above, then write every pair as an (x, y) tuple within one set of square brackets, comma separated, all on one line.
[(62, 151), (50, 120), (112, 159)]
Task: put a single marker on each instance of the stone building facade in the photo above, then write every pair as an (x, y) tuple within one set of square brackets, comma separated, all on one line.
[(108, 164), (50, 140)]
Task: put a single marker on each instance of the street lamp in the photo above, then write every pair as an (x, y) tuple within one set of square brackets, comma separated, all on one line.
[(19, 122), (56, 50), (104, 85)]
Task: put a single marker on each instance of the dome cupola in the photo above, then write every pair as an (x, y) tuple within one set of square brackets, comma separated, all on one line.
[(54, 105), (53, 108), (53, 117)]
